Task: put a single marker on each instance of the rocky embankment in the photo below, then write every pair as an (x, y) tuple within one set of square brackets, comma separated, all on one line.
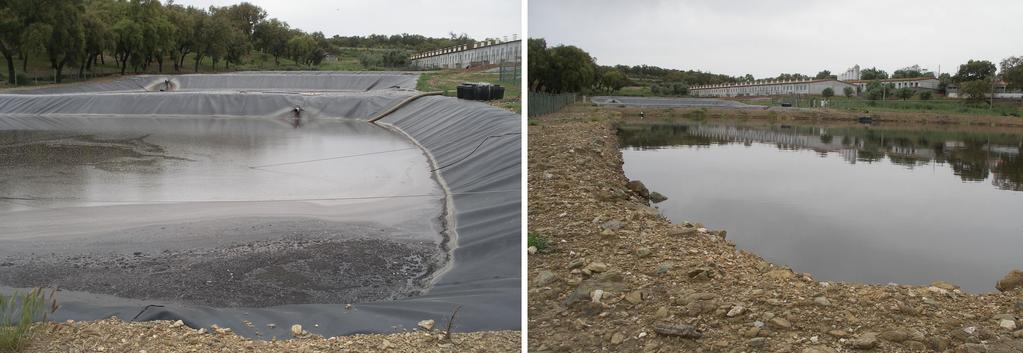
[(113, 335), (619, 277)]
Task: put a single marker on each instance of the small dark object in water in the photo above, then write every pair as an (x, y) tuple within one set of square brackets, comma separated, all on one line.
[(787, 105), (641, 115), (680, 330), (866, 119)]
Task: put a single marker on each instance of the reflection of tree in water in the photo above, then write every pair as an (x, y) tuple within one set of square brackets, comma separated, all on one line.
[(869, 155), (1008, 173), (971, 156), (652, 136), (907, 161), (970, 162)]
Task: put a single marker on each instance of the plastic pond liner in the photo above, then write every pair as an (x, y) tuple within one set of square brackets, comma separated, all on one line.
[(255, 201)]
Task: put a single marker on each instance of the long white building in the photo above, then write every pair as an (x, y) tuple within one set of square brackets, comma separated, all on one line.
[(463, 56), (770, 87), (916, 83)]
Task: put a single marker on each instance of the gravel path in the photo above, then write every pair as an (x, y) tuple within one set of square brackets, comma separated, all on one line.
[(619, 277)]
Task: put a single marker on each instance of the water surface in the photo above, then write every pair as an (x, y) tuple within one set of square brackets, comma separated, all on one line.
[(853, 203)]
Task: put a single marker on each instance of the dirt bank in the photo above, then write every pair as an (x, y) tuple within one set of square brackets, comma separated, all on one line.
[(113, 335), (619, 277)]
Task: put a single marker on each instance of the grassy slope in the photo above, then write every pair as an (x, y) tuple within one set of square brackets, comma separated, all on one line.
[(935, 105), (39, 71), (448, 80), (855, 104)]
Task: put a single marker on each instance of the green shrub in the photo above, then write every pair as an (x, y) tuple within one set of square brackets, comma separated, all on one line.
[(540, 241), (389, 58), (925, 95), (17, 314)]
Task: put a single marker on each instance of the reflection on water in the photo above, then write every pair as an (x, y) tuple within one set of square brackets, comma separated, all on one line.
[(971, 156), (851, 203), (85, 161)]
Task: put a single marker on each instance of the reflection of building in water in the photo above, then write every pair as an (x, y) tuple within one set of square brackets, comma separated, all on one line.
[(971, 160)]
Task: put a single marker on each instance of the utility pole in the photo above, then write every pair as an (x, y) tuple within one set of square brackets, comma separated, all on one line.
[(991, 105)]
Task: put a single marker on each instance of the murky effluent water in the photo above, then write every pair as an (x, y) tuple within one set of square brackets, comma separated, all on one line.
[(856, 203), (217, 211)]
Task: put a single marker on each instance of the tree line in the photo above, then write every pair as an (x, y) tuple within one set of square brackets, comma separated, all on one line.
[(142, 34), (566, 68)]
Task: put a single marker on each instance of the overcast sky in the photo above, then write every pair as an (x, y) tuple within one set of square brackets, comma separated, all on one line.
[(766, 38), (434, 18)]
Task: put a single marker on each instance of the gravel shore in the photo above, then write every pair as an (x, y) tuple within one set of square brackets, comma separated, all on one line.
[(619, 277), (113, 335)]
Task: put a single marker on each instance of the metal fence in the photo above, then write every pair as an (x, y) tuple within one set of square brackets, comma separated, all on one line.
[(510, 71), (543, 103)]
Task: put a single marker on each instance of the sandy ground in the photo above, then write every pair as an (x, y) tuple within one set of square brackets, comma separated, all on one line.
[(113, 335), (619, 277)]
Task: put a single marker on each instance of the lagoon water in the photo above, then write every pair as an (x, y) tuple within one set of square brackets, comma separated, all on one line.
[(854, 203), (226, 212)]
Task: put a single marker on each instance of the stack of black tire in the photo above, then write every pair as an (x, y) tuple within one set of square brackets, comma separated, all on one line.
[(481, 91)]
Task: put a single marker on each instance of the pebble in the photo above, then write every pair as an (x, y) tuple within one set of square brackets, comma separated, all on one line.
[(819, 349), (1007, 324), (780, 323), (596, 295), (780, 274), (643, 252), (427, 324), (296, 330), (944, 285), (736, 311), (680, 330), (617, 338), (896, 336), (864, 341), (757, 342), (596, 267), (839, 333), (577, 263), (634, 297), (531, 250), (544, 278), (662, 313), (822, 301), (664, 267)]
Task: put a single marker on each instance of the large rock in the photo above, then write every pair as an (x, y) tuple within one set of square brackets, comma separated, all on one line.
[(637, 187), (865, 341), (780, 323), (1012, 280), (679, 330), (656, 197), (544, 278), (611, 281), (944, 285)]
